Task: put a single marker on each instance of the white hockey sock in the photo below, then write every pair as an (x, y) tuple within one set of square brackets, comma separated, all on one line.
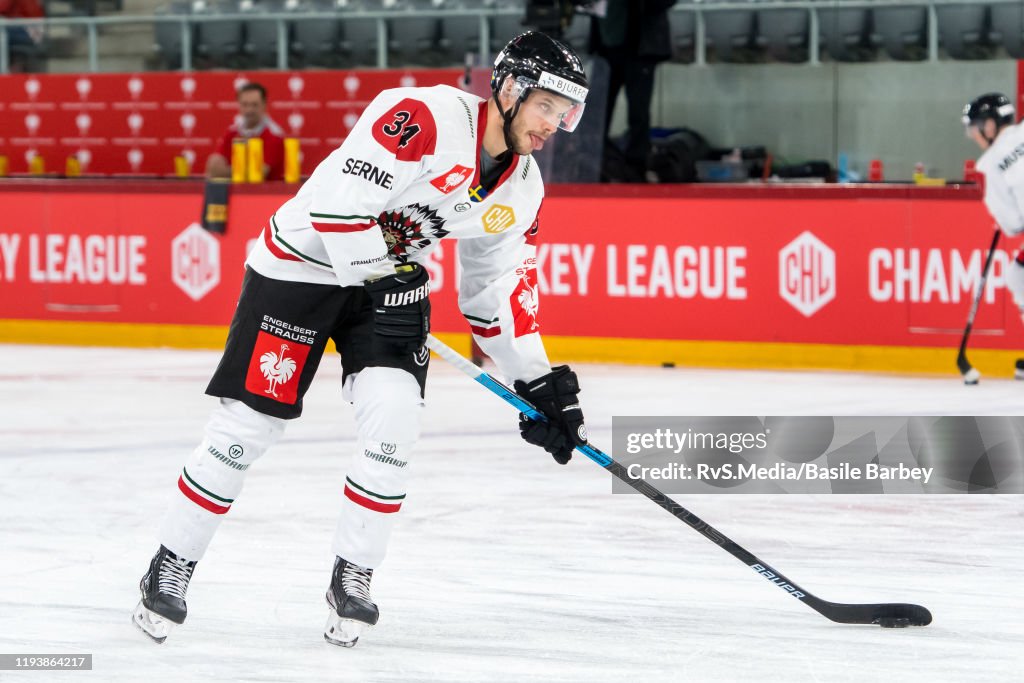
[(388, 405), (1015, 283), (234, 438)]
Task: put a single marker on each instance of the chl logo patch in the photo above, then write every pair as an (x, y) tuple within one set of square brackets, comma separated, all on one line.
[(275, 368), (447, 182), (499, 218)]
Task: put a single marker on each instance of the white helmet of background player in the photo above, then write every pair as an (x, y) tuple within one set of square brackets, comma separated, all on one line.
[(534, 60), (991, 106)]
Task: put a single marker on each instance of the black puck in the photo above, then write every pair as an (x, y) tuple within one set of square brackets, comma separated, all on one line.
[(893, 622)]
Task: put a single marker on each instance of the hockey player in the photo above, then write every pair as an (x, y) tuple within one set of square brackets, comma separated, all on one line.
[(989, 121), (342, 260)]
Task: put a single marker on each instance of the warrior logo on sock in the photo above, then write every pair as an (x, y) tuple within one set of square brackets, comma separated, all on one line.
[(409, 229), (275, 367)]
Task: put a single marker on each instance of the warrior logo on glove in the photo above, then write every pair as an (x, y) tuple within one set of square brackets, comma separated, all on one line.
[(401, 307)]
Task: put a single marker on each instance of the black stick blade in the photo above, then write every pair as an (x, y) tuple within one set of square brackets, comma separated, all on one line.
[(962, 364), (886, 615), (901, 615)]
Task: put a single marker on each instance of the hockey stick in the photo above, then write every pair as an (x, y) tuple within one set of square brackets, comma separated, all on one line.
[(889, 615), (970, 374)]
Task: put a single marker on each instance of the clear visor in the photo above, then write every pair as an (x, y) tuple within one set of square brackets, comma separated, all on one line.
[(556, 109)]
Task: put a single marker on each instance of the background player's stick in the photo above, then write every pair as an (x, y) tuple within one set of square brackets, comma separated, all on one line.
[(889, 615), (970, 374)]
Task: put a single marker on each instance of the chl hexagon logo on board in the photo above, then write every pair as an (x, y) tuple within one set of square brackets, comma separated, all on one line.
[(195, 261), (807, 273)]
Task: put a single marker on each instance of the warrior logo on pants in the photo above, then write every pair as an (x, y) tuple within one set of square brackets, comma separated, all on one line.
[(274, 368)]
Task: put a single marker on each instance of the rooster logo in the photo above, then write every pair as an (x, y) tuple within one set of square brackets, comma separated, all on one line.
[(528, 300), (84, 87), (351, 84), (135, 86), (32, 88), (526, 303), (277, 369)]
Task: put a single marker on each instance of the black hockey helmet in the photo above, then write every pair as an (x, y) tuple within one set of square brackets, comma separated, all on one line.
[(535, 60), (993, 105)]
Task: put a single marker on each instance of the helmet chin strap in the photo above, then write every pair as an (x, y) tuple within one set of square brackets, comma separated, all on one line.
[(507, 117)]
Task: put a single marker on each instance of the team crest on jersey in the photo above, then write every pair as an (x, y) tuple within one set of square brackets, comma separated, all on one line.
[(447, 182), (411, 228)]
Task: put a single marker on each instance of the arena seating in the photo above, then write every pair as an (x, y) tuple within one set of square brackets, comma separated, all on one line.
[(345, 33)]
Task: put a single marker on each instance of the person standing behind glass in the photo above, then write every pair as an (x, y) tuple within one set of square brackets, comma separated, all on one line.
[(22, 40), (634, 37)]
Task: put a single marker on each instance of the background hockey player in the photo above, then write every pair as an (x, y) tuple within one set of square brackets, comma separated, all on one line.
[(341, 260), (989, 121)]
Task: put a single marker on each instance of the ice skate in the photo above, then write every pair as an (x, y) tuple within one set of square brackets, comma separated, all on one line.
[(352, 610), (163, 595)]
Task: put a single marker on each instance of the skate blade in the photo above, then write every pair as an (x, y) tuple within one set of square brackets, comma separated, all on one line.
[(151, 623), (343, 632)]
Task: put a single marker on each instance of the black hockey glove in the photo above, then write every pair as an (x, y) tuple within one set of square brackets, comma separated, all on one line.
[(554, 394), (401, 307)]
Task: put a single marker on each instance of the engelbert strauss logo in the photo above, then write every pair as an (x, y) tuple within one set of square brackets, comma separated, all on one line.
[(807, 273)]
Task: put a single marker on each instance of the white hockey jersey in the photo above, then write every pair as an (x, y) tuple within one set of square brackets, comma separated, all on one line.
[(406, 177), (1003, 166)]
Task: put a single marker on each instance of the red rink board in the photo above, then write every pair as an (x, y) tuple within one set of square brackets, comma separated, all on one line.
[(856, 267)]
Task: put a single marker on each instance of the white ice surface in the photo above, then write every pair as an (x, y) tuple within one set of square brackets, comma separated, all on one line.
[(504, 566)]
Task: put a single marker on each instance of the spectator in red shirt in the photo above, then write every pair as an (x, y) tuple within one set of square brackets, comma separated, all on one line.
[(21, 9), (22, 39), (252, 122)]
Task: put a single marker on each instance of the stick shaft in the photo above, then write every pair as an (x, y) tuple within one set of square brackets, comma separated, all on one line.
[(961, 358), (839, 612)]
